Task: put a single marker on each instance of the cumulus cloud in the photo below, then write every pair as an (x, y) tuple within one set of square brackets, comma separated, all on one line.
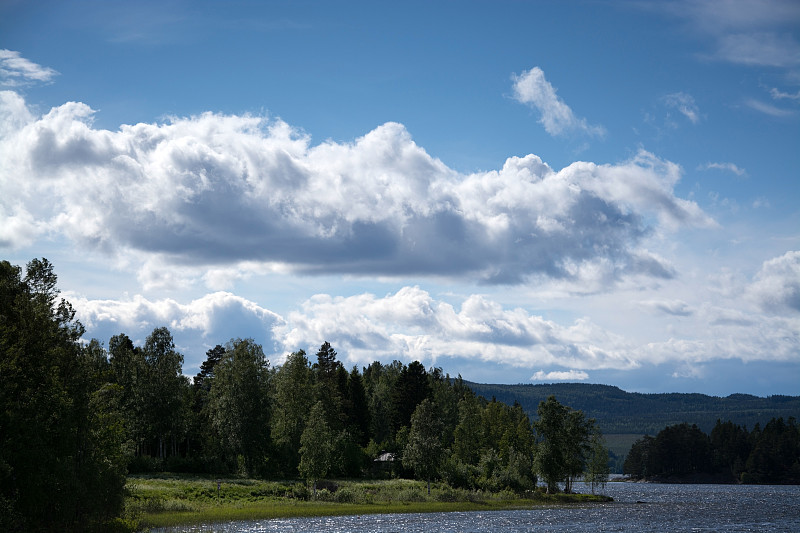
[(15, 70), (214, 192), (213, 319), (531, 88), (777, 284), (570, 375), (412, 325), (685, 104)]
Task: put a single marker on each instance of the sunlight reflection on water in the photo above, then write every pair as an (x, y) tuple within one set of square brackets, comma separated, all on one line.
[(703, 508)]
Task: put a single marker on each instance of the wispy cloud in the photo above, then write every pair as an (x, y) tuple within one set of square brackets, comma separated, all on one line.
[(779, 95), (768, 109), (760, 49), (746, 32), (531, 88), (685, 104), (670, 307), (571, 375), (15, 70), (728, 167)]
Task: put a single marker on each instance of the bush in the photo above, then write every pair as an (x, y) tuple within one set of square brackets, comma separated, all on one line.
[(144, 464), (349, 495), (300, 491), (412, 494)]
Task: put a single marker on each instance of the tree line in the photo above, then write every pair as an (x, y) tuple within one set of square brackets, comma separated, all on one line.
[(621, 412), (729, 454), (76, 417)]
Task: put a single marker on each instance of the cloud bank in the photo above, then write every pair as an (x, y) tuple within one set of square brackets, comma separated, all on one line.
[(216, 191), (411, 324)]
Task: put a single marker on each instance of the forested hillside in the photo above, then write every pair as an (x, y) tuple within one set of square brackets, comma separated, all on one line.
[(617, 411)]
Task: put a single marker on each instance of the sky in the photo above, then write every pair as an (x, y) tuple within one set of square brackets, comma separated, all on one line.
[(511, 191)]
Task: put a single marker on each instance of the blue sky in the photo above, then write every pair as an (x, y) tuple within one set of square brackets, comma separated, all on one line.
[(517, 192)]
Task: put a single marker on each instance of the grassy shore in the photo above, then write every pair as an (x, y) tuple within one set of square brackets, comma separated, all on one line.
[(170, 500)]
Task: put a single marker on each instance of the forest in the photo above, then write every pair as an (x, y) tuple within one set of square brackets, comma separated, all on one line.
[(77, 417), (621, 412), (729, 454)]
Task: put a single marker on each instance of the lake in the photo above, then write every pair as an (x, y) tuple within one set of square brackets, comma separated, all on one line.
[(704, 508)]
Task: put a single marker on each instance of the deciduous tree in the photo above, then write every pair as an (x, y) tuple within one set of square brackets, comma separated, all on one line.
[(424, 451)]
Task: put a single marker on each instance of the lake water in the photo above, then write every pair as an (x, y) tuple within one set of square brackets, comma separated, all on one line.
[(701, 508)]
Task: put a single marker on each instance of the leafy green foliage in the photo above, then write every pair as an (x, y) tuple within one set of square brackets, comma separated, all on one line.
[(424, 450), (239, 405), (564, 443), (61, 453), (291, 406), (316, 448)]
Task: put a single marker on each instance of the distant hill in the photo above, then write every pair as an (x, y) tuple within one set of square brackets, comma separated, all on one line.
[(620, 412)]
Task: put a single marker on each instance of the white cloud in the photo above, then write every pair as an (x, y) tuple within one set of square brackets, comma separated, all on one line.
[(196, 326), (411, 325), (730, 167), (768, 109), (15, 70), (670, 307), (685, 104), (747, 32), (777, 284), (780, 95), (570, 375), (531, 88), (205, 195), (760, 49)]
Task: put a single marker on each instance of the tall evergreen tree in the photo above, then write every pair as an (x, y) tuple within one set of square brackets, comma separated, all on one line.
[(409, 390), (329, 386), (358, 419)]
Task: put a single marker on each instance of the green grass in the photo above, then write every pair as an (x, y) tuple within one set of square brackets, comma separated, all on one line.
[(170, 500)]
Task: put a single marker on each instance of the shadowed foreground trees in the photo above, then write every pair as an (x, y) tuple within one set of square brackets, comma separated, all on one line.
[(61, 438), (730, 454), (73, 416)]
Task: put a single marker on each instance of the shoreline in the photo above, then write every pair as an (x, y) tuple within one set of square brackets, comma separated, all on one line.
[(170, 501)]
